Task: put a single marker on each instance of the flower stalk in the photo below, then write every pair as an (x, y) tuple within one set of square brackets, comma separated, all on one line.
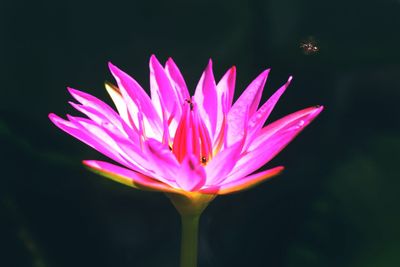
[(190, 207), (189, 240)]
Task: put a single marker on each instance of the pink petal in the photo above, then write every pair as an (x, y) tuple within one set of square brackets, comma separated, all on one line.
[(302, 118), (81, 134), (126, 176), (225, 93), (272, 140), (91, 101), (206, 98), (119, 102), (191, 175), (222, 164), (161, 87), (227, 85), (110, 121), (258, 119), (166, 139), (177, 80), (100, 107), (136, 98), (124, 148), (203, 140), (150, 164), (183, 137), (242, 184), (163, 163), (249, 99), (220, 139)]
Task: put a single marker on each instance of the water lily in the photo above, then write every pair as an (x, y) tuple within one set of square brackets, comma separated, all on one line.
[(192, 148)]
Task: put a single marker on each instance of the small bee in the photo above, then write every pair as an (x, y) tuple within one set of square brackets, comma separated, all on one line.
[(309, 46)]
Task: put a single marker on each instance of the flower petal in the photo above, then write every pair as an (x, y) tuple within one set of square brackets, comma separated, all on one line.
[(177, 80), (191, 175), (161, 86), (275, 138), (183, 137), (119, 102), (248, 100), (222, 163), (81, 134), (126, 176), (123, 148), (258, 119), (136, 98), (225, 93), (163, 163), (98, 106), (112, 122), (227, 86), (242, 184), (301, 118), (206, 98)]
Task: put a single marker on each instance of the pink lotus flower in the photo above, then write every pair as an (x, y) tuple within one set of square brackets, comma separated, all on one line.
[(191, 148), (175, 143)]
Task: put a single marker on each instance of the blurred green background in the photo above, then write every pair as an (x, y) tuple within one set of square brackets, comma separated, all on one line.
[(337, 203)]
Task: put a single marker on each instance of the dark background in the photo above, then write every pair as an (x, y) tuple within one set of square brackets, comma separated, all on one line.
[(337, 203)]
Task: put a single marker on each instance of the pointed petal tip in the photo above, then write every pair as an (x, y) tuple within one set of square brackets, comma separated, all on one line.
[(170, 60), (52, 117), (90, 163), (73, 104), (72, 90), (153, 60), (86, 162), (55, 118), (170, 63), (107, 84), (279, 169), (232, 71), (264, 75), (112, 67), (318, 109), (110, 86), (70, 117), (309, 115), (77, 94), (115, 71)]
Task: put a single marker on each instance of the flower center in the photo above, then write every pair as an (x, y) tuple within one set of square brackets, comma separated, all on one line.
[(191, 136)]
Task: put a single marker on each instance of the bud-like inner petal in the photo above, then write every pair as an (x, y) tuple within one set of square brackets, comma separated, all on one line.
[(191, 136)]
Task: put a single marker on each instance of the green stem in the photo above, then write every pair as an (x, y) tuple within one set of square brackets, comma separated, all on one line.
[(190, 205), (189, 239)]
